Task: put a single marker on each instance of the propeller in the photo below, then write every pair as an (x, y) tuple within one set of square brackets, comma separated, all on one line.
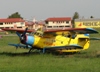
[(22, 36), (24, 33)]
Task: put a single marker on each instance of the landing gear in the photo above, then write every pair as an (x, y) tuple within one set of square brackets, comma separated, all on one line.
[(33, 50), (30, 50)]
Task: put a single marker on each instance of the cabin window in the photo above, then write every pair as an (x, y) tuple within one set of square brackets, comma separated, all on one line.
[(39, 33), (74, 36), (53, 40)]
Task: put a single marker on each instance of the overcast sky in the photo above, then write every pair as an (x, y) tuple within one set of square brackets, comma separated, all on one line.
[(42, 9)]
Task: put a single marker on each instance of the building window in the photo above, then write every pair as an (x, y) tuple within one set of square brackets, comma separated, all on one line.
[(61, 26), (1, 27), (1, 23), (49, 26), (67, 26), (53, 22), (67, 21), (19, 27), (22, 23), (55, 26), (46, 22), (7, 27)]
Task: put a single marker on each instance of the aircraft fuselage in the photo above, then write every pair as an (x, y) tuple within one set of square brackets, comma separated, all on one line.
[(59, 40)]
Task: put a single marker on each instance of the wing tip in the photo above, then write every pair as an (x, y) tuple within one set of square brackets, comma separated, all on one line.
[(92, 30)]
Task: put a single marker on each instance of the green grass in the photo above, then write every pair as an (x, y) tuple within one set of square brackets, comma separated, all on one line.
[(12, 60)]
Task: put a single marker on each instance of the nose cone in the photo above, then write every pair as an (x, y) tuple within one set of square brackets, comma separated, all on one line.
[(30, 40)]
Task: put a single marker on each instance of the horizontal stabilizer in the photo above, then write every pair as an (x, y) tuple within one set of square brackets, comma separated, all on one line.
[(94, 38), (20, 46)]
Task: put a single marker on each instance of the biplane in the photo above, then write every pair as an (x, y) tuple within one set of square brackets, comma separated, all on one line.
[(67, 40)]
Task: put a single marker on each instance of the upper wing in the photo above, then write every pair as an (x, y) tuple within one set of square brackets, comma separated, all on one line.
[(75, 30), (18, 30), (78, 30)]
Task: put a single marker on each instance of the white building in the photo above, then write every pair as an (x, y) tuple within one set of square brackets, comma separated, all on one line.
[(12, 23), (58, 23)]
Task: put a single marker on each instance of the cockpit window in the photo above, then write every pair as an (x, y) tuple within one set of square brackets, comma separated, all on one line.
[(66, 35), (38, 33)]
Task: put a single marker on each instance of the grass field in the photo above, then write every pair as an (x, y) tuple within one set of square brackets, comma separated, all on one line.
[(12, 60)]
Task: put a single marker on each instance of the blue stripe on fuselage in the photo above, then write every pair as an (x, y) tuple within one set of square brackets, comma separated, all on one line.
[(30, 40)]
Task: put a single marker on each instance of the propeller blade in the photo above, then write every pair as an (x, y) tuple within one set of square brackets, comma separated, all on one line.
[(22, 36), (24, 32), (18, 34)]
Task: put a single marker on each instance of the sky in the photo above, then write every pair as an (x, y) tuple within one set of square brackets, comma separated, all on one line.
[(43, 9)]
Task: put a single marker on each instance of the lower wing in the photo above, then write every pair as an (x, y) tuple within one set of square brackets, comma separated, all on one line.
[(94, 38), (49, 48), (62, 47)]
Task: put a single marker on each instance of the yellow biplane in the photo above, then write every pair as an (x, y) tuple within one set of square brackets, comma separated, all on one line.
[(67, 40)]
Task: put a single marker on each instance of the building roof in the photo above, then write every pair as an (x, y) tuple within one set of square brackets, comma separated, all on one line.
[(58, 19), (12, 20)]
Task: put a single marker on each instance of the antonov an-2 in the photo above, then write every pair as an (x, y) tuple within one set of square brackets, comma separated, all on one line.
[(67, 40)]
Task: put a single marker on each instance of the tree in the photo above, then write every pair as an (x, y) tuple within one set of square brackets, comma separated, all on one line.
[(15, 15), (75, 16), (91, 17)]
